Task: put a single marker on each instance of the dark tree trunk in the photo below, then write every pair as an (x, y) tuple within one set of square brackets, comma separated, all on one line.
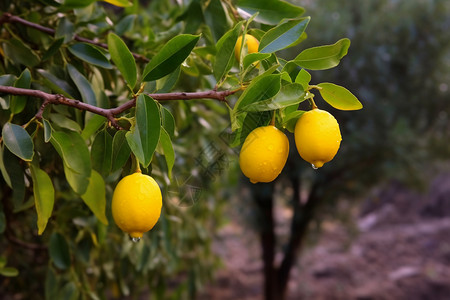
[(263, 197)]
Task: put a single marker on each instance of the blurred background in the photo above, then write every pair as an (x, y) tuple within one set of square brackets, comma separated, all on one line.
[(380, 228)]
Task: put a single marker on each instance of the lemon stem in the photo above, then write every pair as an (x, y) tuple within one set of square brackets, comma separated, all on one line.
[(135, 162), (313, 104), (272, 122)]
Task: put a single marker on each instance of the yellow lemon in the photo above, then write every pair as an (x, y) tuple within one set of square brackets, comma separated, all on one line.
[(136, 204), (264, 154), (251, 46), (317, 137)]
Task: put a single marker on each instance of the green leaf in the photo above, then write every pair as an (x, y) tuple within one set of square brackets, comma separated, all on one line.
[(56, 84), (339, 97), (18, 141), (289, 95), (13, 174), (64, 122), (47, 130), (323, 57), (54, 47), (261, 88), (172, 54), (65, 29), (254, 57), (17, 103), (77, 164), (20, 53), (168, 122), (92, 125), (123, 59), (290, 120), (283, 36), (216, 19), (144, 137), (303, 78), (169, 154), (270, 12), (95, 197), (59, 251), (165, 84), (90, 54), (225, 52), (121, 150), (9, 272), (83, 85), (101, 153), (125, 25), (44, 196)]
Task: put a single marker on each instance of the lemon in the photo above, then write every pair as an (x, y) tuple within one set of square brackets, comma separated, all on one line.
[(136, 204), (317, 137), (264, 154), (251, 46)]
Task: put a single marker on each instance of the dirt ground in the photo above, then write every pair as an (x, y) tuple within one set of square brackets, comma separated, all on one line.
[(401, 251)]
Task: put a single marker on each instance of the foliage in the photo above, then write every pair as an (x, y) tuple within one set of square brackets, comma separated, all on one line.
[(85, 91)]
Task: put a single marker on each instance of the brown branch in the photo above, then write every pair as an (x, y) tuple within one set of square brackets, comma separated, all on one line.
[(9, 18), (111, 112)]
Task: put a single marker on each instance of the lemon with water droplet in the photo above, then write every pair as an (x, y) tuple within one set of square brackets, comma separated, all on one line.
[(317, 137), (264, 154), (136, 204)]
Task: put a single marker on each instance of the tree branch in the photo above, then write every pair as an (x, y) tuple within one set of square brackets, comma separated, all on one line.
[(9, 18), (111, 112)]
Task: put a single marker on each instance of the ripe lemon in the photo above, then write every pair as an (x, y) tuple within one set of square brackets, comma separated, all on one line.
[(136, 204), (251, 46), (264, 154), (317, 137)]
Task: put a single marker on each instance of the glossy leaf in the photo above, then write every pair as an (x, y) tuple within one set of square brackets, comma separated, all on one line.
[(339, 97), (44, 196), (120, 3), (254, 57), (58, 85), (270, 12), (77, 164), (90, 54), (64, 122), (59, 251), (13, 174), (47, 130), (20, 53), (123, 59), (323, 57), (120, 150), (303, 78), (92, 125), (216, 19), (144, 136), (289, 95), (18, 141), (165, 84), (283, 36), (65, 29), (101, 153), (261, 88), (172, 55), (290, 120), (17, 103), (225, 52), (83, 85), (169, 154), (95, 197), (168, 122)]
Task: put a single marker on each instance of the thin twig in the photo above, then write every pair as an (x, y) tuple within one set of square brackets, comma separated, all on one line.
[(9, 18), (111, 112)]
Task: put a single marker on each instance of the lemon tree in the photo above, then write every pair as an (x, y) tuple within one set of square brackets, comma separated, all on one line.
[(92, 91)]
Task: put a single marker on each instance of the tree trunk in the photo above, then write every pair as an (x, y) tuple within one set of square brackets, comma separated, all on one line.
[(263, 197)]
